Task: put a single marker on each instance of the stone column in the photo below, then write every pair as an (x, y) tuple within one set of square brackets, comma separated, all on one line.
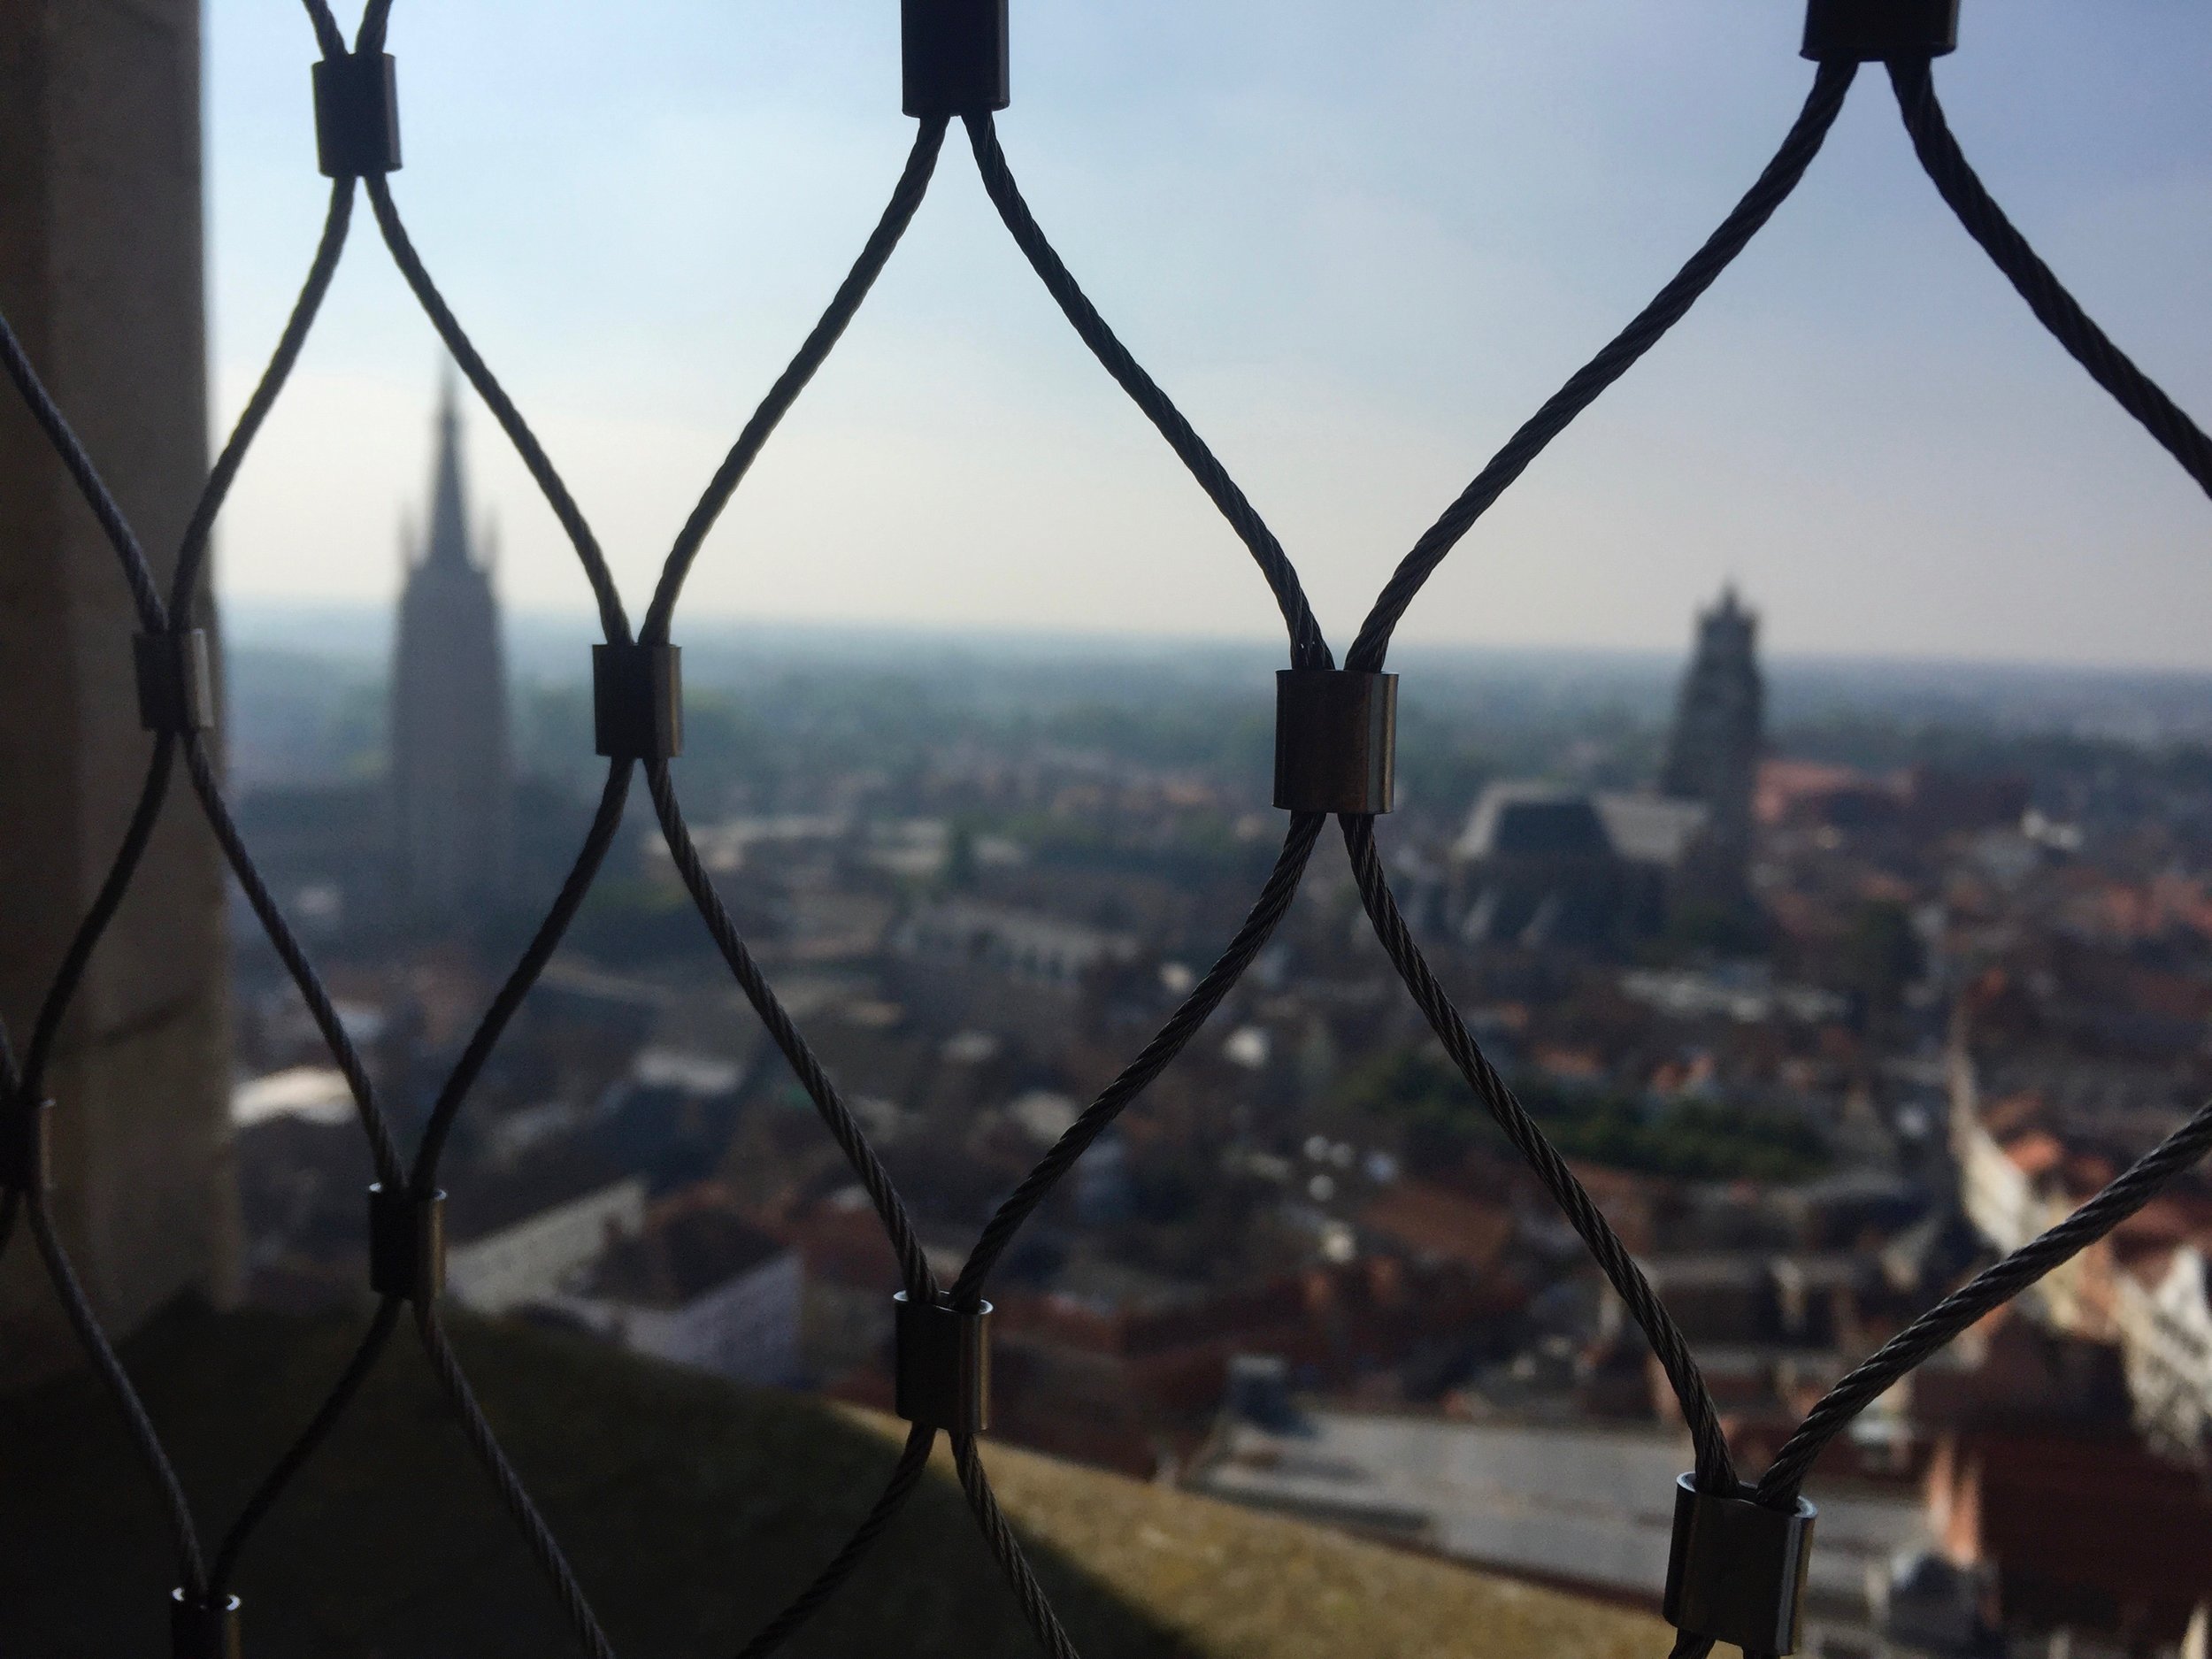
[(100, 275)]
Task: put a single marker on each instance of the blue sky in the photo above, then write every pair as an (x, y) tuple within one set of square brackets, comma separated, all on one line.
[(1358, 244)]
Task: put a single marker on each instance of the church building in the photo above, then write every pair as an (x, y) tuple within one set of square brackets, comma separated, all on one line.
[(1539, 865), (452, 807), (1719, 736)]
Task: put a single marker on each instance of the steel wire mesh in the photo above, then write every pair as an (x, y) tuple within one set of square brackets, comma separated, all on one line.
[(205, 1587)]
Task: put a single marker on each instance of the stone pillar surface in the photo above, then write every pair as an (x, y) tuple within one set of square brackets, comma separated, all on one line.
[(101, 277)]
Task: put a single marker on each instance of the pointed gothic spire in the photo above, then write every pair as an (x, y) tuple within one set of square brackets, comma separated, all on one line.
[(449, 540)]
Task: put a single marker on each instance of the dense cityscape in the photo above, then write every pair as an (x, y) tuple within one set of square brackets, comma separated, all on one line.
[(1828, 1007)]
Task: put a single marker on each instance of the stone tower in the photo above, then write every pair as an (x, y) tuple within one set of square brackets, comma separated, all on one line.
[(451, 766), (1719, 731), (101, 260)]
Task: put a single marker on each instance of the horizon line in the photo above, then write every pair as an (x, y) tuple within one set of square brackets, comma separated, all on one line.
[(584, 622)]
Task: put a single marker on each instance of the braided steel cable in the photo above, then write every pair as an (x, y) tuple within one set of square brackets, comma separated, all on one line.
[(544, 1548), (1189, 1016), (2054, 308), (875, 254), (1994, 1286), (200, 770), (1716, 1472), (1035, 1606), (605, 824), (190, 558), (176, 1508), (329, 249), (1308, 650), (1823, 104), (13, 1098), (297, 1454), (137, 574), (32, 1202), (613, 622), (62, 990), (154, 617), (155, 620), (200, 767), (328, 36), (374, 17), (913, 1461), (914, 1269), (919, 1279), (898, 213)]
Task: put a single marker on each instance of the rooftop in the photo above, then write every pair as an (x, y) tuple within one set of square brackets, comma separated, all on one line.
[(1590, 1504), (688, 1247)]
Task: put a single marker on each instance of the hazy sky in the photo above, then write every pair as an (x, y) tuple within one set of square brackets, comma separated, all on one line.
[(1358, 244)]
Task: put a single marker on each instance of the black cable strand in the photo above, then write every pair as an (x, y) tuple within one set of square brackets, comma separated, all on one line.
[(374, 17), (2000, 1283), (2053, 307), (906, 199), (543, 1548), (190, 557), (328, 37), (309, 1441), (201, 769), (1672, 303), (13, 1098), (63, 988), (145, 595), (898, 213), (1716, 1472), (612, 621), (914, 1269), (605, 824), (137, 573), (905, 1475), (1007, 1550), (1308, 649), (914, 1264), (192, 552), (1196, 1008), (190, 1563)]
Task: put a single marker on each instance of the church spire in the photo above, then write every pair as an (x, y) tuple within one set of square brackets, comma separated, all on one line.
[(449, 544), (452, 797)]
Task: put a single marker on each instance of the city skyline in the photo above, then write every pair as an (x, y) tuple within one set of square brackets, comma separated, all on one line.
[(1358, 257)]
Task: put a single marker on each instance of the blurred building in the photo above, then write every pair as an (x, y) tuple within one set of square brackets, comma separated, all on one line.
[(1583, 1506), (521, 1239), (697, 1285), (452, 782), (1719, 729), (1539, 865)]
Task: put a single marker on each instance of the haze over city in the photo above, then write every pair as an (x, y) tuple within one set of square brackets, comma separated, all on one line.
[(1738, 1057), (1359, 249)]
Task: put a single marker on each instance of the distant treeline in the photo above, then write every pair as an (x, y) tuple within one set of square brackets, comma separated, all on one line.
[(1689, 1136)]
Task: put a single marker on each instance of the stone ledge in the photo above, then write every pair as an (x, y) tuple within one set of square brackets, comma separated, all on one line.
[(691, 1509)]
